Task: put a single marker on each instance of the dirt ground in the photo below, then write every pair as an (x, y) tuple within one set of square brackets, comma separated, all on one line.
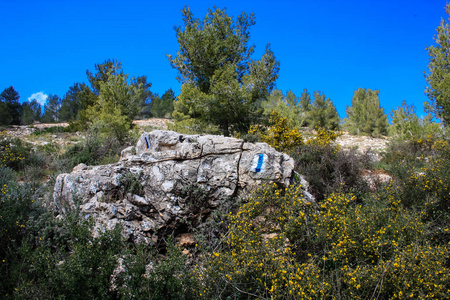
[(360, 143)]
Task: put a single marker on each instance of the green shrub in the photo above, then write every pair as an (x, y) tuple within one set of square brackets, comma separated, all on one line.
[(17, 204), (328, 169), (61, 259), (50, 130), (165, 277)]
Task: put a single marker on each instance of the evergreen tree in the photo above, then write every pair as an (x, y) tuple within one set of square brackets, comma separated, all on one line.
[(31, 112), (103, 71), (11, 97), (406, 124), (163, 107), (305, 107), (146, 96), (322, 113), (5, 116), (222, 85), (286, 106), (366, 116), (438, 75), (119, 102), (71, 103), (51, 109), (110, 82)]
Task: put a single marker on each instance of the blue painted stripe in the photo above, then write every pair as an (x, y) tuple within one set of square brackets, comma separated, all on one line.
[(146, 141), (260, 162)]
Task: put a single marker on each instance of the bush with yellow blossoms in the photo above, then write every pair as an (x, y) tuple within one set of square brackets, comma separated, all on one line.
[(281, 133), (12, 153), (281, 247)]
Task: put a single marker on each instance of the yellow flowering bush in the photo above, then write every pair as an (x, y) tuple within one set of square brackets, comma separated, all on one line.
[(324, 138), (10, 155), (281, 247), (281, 134)]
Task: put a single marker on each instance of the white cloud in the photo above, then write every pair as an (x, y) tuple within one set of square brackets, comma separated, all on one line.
[(39, 96)]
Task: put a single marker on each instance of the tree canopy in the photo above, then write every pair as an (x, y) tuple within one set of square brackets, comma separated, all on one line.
[(10, 106), (162, 107), (52, 109), (406, 124), (221, 83), (119, 102), (366, 116), (438, 74), (321, 112)]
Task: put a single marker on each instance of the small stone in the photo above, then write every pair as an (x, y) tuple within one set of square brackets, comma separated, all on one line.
[(186, 240)]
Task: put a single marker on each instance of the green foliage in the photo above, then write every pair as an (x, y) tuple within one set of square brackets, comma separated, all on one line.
[(280, 134), (405, 155), (286, 106), (168, 278), (98, 149), (49, 130), (12, 153), (109, 122), (119, 102), (71, 103), (322, 113), (366, 116), (192, 126), (10, 97), (281, 247), (407, 125), (43, 257), (421, 169), (327, 169), (163, 107), (31, 112), (16, 206), (5, 116), (222, 85), (113, 100), (438, 74), (51, 109), (132, 184), (121, 94)]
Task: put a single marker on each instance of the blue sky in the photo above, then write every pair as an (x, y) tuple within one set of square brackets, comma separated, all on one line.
[(332, 46)]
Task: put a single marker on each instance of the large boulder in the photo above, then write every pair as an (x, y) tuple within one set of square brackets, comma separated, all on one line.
[(148, 189)]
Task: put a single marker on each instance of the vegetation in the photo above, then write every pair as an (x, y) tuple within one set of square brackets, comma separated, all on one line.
[(366, 116), (222, 85), (357, 240), (406, 124), (353, 242), (163, 107), (281, 134), (321, 112), (438, 74)]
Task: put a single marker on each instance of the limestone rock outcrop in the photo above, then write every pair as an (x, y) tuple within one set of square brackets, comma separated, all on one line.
[(146, 191)]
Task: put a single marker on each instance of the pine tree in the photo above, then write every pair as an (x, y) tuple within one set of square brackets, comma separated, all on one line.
[(163, 107), (51, 109), (366, 116), (322, 113), (222, 85), (10, 97), (438, 75)]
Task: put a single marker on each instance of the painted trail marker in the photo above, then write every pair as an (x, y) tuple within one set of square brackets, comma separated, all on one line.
[(258, 162)]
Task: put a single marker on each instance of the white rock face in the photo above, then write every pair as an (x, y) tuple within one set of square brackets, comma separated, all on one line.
[(146, 190)]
